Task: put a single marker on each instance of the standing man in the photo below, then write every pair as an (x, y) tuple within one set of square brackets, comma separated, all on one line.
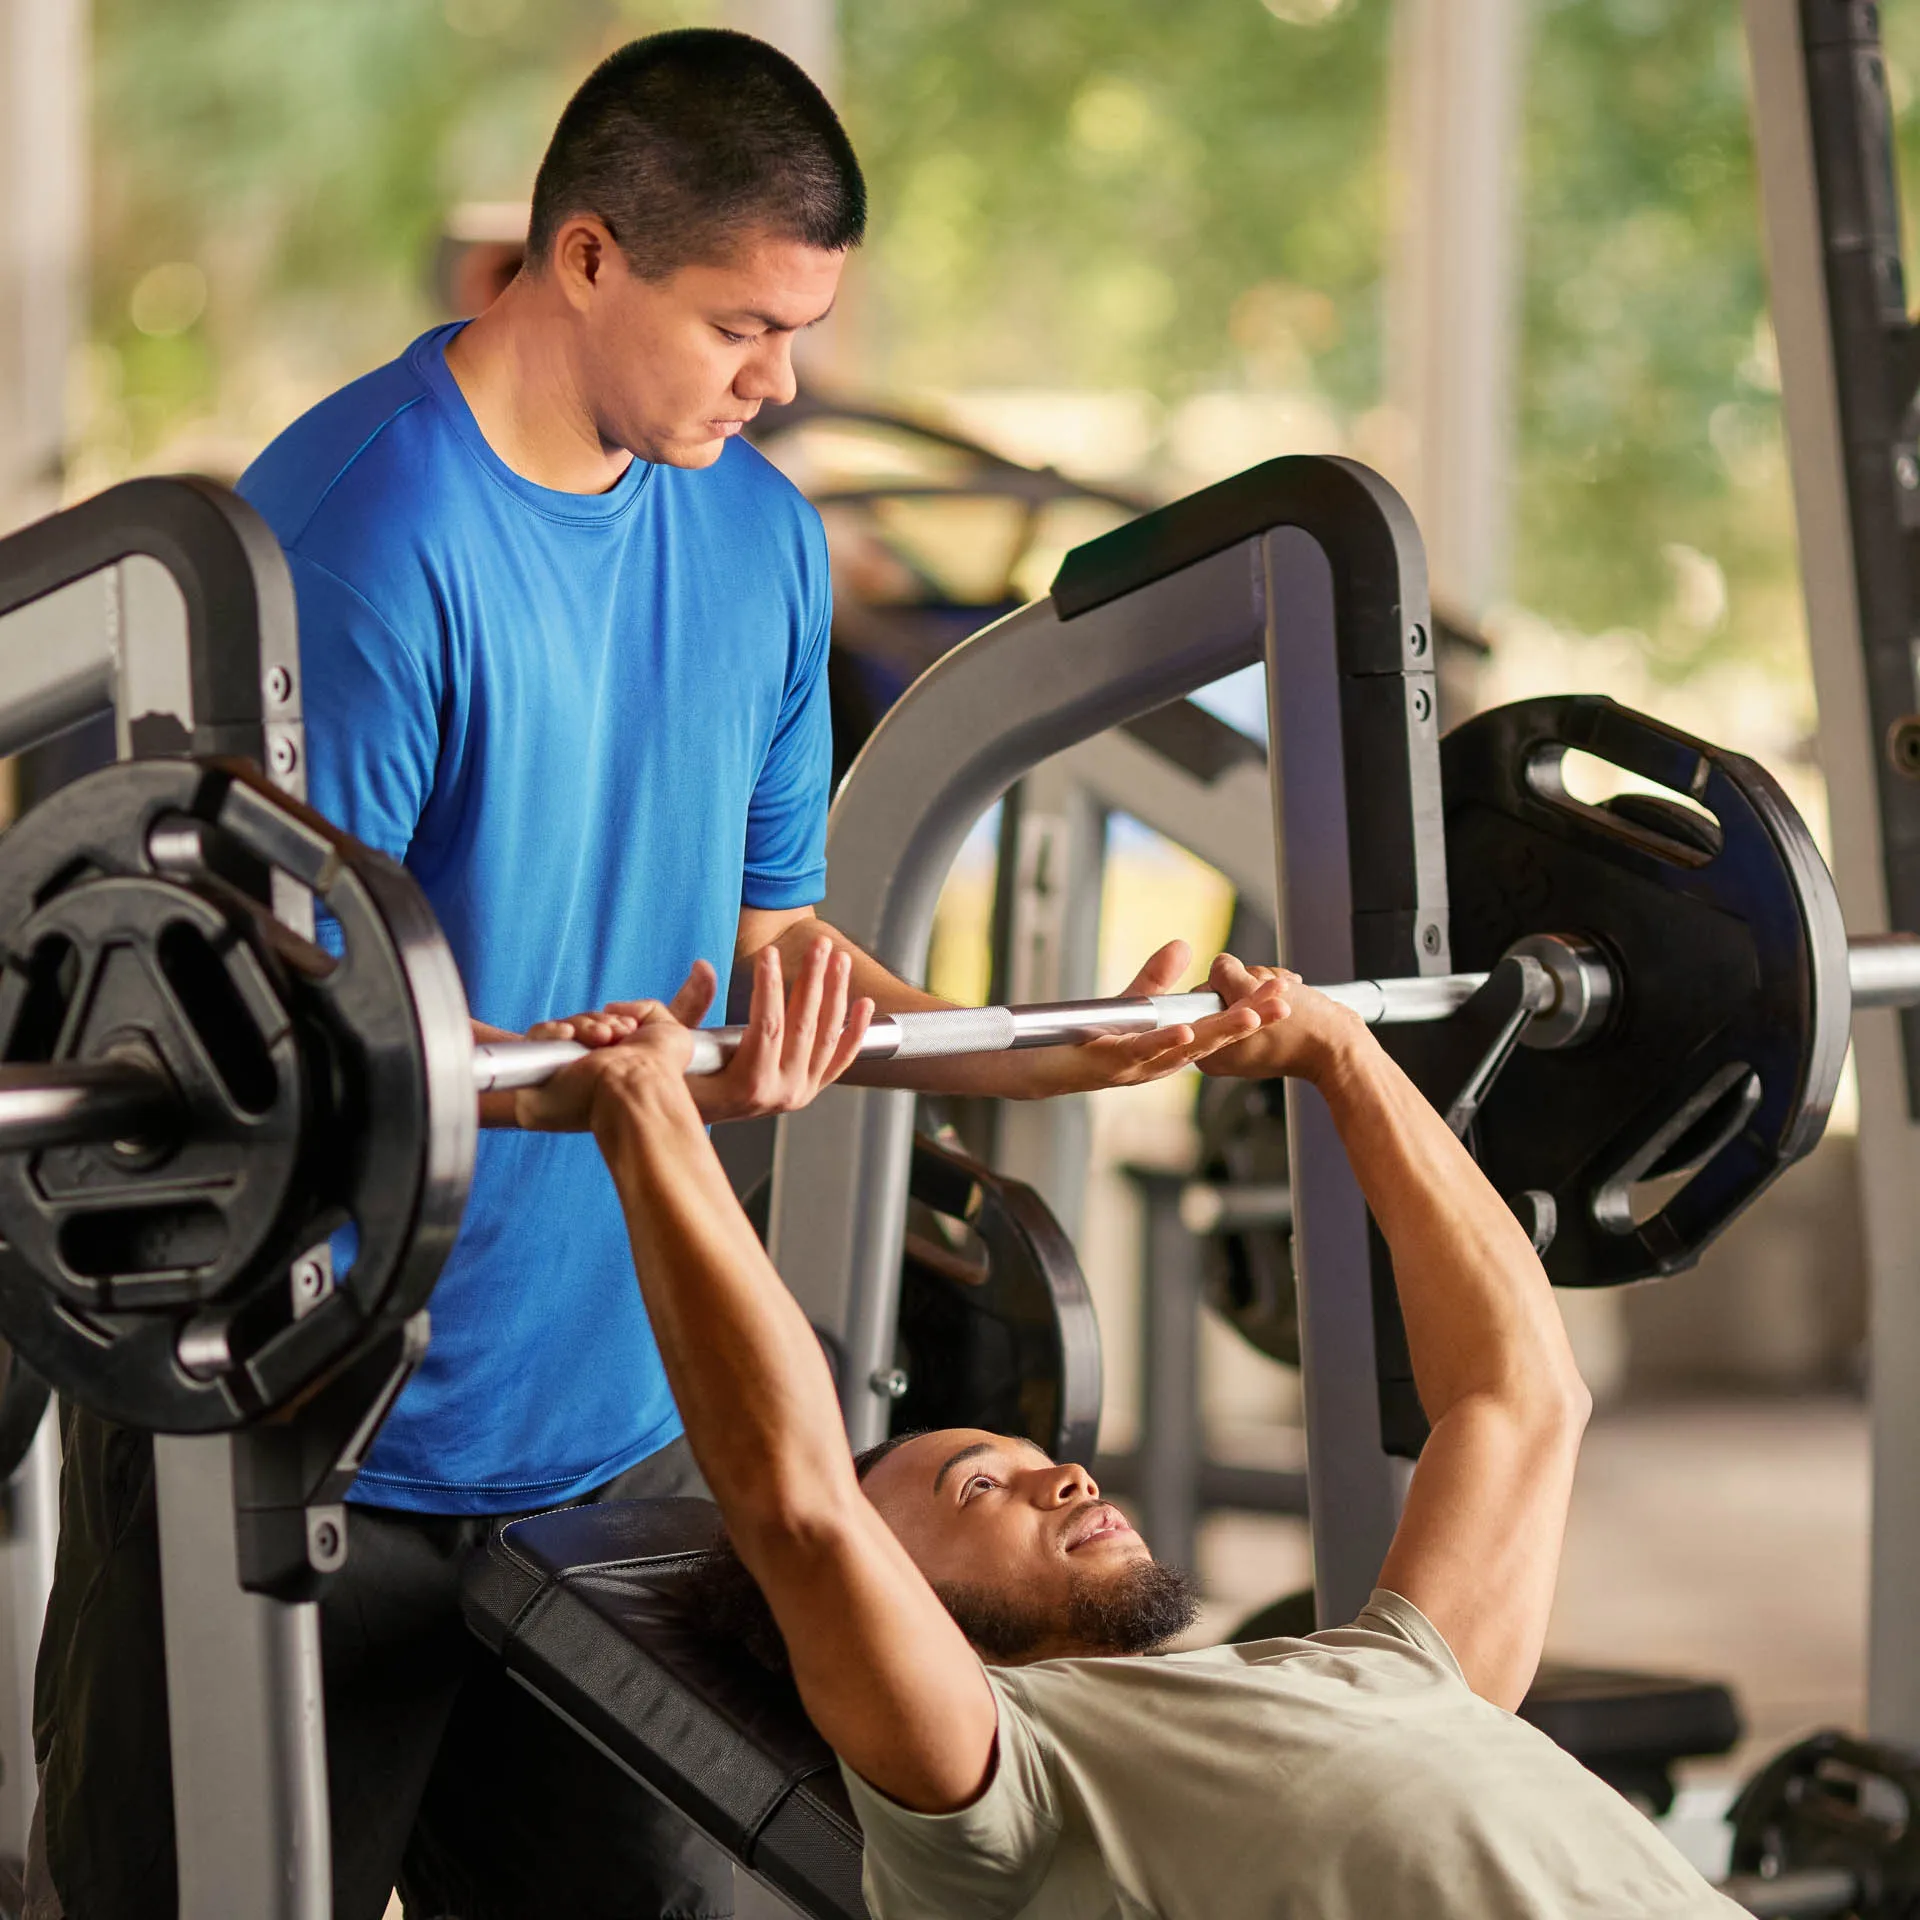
[(563, 638)]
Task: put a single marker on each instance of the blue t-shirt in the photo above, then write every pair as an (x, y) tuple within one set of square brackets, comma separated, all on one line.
[(592, 726)]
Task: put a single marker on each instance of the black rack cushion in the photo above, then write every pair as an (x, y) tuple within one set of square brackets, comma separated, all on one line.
[(1601, 1716), (588, 1608)]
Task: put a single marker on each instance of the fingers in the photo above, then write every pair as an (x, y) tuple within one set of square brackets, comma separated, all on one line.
[(1162, 971), (691, 1004), (1229, 978), (759, 1049), (803, 1009), (589, 1029), (833, 1017), (846, 1049)]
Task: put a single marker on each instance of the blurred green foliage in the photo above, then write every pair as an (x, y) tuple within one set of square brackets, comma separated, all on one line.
[(1649, 417), (1067, 193), (1089, 194)]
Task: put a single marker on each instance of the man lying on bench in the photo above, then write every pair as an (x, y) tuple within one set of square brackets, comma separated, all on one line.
[(965, 1624)]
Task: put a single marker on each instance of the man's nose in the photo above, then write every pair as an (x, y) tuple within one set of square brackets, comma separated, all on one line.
[(768, 375), (1067, 1483)]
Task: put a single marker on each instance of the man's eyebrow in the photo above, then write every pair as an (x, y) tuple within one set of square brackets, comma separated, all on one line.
[(975, 1450), (778, 326)]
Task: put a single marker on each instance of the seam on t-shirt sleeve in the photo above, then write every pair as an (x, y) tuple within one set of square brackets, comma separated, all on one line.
[(367, 777), (346, 466), (1393, 1613), (786, 813), (386, 626)]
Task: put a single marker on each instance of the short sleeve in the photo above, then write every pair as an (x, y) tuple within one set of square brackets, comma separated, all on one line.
[(371, 712), (1399, 1619), (981, 1863), (786, 853)]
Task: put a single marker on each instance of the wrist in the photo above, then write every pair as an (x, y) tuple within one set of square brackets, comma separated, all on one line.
[(1342, 1057), (642, 1101)]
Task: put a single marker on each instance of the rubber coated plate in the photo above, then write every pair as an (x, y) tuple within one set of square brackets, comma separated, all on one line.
[(1719, 1063), (357, 1107)]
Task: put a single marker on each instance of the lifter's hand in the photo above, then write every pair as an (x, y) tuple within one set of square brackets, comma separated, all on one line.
[(1307, 1036), (1127, 1060), (649, 1047)]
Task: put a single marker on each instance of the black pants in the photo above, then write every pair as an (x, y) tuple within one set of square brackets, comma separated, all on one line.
[(447, 1779)]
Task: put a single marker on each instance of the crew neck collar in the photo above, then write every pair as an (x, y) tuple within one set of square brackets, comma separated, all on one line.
[(428, 358)]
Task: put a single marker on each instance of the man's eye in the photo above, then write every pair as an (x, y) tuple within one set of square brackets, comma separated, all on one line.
[(733, 339), (978, 1481)]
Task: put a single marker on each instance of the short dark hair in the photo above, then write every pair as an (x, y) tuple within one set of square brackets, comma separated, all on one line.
[(683, 142)]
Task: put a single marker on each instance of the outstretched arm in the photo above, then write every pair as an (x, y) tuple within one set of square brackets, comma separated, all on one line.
[(1478, 1545), (886, 1675)]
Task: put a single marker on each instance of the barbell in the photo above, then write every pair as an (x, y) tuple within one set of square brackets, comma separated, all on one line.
[(194, 1101), (129, 1099)]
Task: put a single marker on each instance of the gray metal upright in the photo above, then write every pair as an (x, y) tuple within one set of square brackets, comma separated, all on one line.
[(1847, 349), (1315, 566), (169, 603), (995, 707)]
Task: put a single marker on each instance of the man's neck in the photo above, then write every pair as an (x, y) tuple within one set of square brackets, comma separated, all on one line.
[(512, 368)]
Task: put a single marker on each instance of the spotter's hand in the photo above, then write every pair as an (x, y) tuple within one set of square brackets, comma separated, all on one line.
[(794, 1044)]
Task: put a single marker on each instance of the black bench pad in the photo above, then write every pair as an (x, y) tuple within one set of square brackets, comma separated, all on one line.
[(589, 1609)]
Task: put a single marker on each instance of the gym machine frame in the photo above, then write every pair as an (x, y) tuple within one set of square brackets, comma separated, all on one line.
[(207, 664), (1313, 566), (1850, 364)]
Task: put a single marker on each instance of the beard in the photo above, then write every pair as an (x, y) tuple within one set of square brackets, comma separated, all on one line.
[(1136, 1610)]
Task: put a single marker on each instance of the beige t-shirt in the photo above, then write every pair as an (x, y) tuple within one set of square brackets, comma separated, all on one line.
[(1352, 1776)]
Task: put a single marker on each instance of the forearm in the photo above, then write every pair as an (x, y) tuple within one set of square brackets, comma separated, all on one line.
[(1479, 1314), (744, 1366)]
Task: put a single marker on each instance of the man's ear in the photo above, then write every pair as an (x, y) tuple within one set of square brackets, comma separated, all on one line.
[(580, 252)]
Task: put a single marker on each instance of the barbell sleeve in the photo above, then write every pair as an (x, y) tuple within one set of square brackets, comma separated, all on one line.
[(1883, 970), (68, 1103)]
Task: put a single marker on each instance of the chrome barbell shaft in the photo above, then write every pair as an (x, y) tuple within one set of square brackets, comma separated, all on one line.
[(1883, 970), (71, 1102), (947, 1033)]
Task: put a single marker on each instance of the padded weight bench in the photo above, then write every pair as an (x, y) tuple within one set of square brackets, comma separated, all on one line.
[(585, 1606)]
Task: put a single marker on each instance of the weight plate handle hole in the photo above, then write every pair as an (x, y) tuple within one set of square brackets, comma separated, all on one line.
[(52, 975), (118, 1243), (220, 1018), (1660, 819)]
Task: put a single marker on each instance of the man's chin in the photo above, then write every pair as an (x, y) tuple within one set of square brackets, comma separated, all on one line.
[(689, 453), (1127, 1603)]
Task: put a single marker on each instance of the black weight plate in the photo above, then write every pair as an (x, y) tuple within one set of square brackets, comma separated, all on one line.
[(1247, 1276), (1732, 1017), (156, 971), (1010, 1343), (381, 1058)]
